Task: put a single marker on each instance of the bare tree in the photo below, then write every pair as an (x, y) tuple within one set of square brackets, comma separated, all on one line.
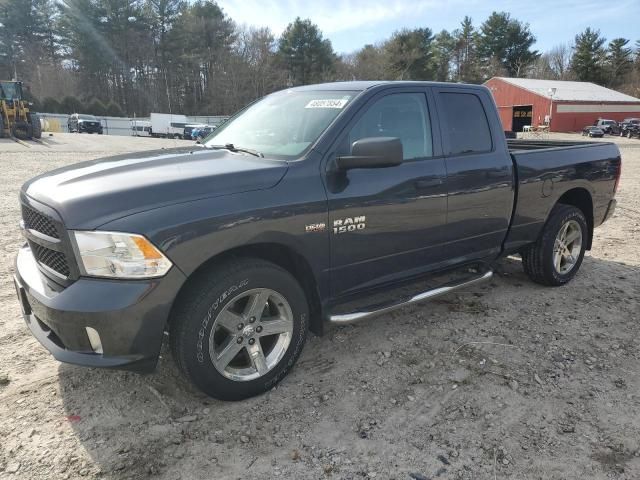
[(541, 69), (560, 61)]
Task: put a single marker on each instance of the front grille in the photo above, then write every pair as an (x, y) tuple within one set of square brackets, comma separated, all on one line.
[(50, 244), (34, 220), (56, 261)]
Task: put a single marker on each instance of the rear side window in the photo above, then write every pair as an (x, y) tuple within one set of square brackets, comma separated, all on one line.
[(467, 124)]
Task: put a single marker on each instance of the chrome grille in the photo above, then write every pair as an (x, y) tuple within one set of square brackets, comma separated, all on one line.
[(34, 220)]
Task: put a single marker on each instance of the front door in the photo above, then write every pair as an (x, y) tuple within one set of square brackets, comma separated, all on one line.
[(386, 223)]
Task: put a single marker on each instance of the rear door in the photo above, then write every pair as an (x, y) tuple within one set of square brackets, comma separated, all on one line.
[(480, 181), (386, 223)]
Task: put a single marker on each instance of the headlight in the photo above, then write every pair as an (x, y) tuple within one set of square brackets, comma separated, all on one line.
[(119, 255)]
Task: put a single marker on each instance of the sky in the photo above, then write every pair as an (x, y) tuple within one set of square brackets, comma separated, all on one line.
[(351, 24)]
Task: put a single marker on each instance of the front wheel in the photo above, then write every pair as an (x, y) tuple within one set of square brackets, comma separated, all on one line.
[(240, 328), (556, 256), (36, 126)]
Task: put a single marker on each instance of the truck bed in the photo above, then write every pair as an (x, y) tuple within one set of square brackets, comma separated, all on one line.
[(548, 169)]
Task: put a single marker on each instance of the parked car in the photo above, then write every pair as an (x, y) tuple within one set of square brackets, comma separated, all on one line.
[(632, 131), (327, 203), (203, 132), (188, 131), (632, 121), (610, 127), (630, 127), (592, 131), (80, 122)]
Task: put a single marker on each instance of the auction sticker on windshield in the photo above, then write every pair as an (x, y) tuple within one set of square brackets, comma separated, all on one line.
[(328, 103)]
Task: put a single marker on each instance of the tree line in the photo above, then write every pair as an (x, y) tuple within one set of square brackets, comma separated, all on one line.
[(131, 57)]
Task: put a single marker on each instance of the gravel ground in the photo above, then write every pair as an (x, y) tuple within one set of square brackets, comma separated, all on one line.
[(505, 380)]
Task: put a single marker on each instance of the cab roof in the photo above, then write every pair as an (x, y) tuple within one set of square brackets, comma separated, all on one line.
[(366, 85)]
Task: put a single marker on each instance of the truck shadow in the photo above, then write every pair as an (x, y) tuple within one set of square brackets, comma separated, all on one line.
[(134, 426)]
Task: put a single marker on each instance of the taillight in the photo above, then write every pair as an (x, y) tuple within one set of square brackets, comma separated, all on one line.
[(617, 184)]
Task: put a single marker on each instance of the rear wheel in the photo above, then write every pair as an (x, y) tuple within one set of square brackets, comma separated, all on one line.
[(556, 256), (629, 134), (240, 328), (1, 126)]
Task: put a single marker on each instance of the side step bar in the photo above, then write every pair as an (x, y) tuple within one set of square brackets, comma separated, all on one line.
[(429, 294)]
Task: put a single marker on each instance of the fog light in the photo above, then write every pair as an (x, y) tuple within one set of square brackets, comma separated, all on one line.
[(94, 339)]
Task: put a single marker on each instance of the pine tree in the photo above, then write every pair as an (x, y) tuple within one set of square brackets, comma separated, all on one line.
[(306, 55), (465, 54), (409, 55), (443, 46), (619, 61), (507, 43), (588, 60)]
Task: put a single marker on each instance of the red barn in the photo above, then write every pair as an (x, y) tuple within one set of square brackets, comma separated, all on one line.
[(569, 105)]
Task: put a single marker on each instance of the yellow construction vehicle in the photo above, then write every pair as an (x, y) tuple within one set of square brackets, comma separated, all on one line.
[(16, 118)]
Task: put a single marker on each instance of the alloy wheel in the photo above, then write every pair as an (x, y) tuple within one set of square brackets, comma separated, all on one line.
[(251, 334), (567, 247)]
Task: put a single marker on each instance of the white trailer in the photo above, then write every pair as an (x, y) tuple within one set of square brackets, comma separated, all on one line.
[(167, 125)]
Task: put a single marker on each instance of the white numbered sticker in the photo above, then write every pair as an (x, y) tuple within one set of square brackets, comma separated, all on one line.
[(328, 103)]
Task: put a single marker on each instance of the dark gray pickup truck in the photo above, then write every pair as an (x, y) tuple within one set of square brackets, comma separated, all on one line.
[(324, 203)]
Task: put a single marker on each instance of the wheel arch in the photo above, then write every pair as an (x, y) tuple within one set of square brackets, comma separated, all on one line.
[(282, 255), (580, 198)]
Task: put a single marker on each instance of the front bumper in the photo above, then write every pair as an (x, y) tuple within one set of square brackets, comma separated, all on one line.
[(89, 128), (129, 316)]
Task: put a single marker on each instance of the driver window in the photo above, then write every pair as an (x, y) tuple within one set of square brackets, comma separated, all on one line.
[(401, 115)]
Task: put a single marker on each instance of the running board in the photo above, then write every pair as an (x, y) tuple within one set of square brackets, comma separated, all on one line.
[(429, 294)]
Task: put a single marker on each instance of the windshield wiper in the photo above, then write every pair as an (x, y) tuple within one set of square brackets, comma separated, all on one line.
[(232, 148)]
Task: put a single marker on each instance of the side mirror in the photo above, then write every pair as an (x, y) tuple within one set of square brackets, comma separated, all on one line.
[(374, 152)]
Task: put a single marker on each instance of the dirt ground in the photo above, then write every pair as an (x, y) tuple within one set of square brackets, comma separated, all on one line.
[(505, 380)]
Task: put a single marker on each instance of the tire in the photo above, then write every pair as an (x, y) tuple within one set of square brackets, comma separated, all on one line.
[(629, 134), (1, 126), (203, 325), (36, 127), (21, 131), (538, 260)]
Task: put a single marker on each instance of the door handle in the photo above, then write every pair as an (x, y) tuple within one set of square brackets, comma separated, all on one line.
[(435, 182)]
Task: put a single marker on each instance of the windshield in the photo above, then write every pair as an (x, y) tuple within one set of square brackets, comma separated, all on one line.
[(9, 91), (283, 124), (90, 118)]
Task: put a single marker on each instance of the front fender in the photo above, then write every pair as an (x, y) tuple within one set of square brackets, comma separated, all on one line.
[(192, 233)]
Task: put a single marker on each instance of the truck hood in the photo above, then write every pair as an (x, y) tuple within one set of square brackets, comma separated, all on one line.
[(90, 194)]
